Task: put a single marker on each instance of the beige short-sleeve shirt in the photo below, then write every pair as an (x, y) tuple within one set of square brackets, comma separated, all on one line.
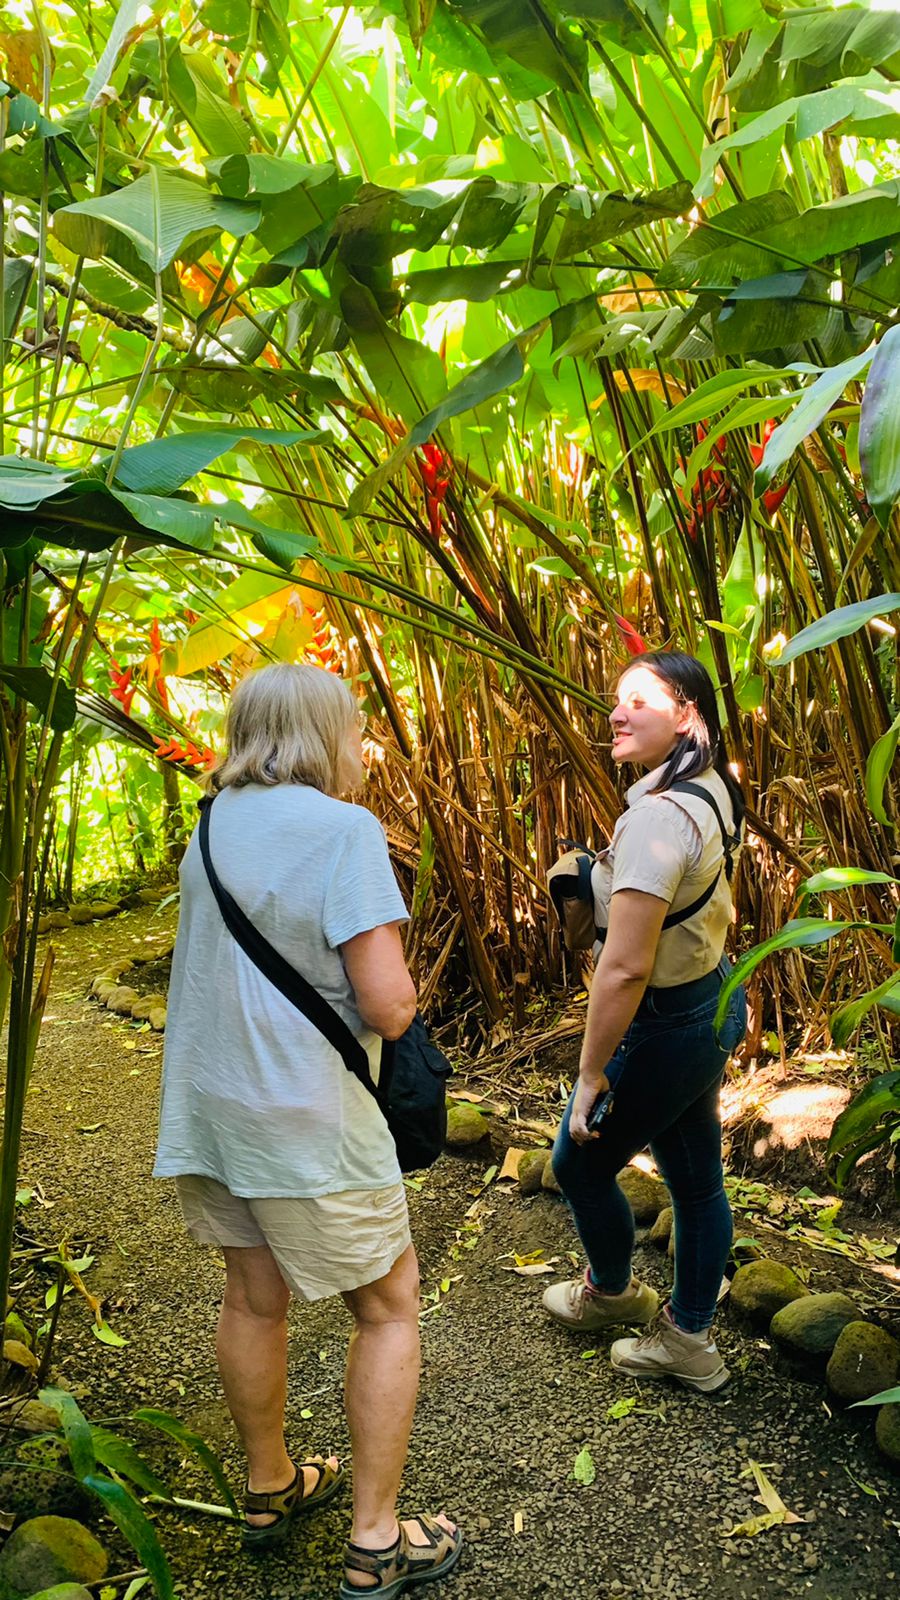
[(669, 845)]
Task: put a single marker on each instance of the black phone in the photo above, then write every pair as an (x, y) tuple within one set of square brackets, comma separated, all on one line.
[(600, 1109)]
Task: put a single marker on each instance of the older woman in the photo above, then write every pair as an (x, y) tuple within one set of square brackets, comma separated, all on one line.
[(281, 1157)]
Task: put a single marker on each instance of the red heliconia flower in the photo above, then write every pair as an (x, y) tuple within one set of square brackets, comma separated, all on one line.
[(629, 635), (773, 497), (720, 445), (156, 649), (757, 451), (123, 689), (435, 468), (432, 461), (188, 754)]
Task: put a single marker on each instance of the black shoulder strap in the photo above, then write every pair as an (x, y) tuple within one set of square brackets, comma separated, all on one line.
[(279, 972), (730, 841)]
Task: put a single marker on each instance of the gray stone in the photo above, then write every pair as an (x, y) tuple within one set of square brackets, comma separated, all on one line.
[(887, 1432), (122, 999), (104, 989), (761, 1288), (550, 1181), (30, 1488), (56, 919), (465, 1123), (145, 1003), (157, 1019), (810, 1326), (864, 1361), (47, 1551), (35, 1417), (531, 1170), (661, 1232), (647, 1196), (92, 911)]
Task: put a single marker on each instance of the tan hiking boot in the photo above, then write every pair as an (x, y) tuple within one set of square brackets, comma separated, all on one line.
[(668, 1352), (579, 1305)]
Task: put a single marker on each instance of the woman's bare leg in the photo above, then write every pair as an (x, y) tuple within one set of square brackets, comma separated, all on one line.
[(380, 1395), (251, 1346)]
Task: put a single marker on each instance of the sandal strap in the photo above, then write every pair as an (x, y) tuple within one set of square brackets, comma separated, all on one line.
[(383, 1565), (439, 1546), (279, 1502), (432, 1530)]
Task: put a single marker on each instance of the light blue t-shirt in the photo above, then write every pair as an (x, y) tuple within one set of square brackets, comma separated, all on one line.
[(253, 1095)]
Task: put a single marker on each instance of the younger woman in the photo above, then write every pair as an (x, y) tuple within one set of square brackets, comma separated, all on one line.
[(663, 905)]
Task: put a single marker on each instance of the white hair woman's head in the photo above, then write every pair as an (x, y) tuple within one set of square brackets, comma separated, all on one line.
[(292, 723)]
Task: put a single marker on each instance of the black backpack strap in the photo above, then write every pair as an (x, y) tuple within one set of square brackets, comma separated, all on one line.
[(730, 842), (286, 978)]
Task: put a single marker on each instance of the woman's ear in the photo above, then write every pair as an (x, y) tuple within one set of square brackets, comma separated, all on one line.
[(687, 722)]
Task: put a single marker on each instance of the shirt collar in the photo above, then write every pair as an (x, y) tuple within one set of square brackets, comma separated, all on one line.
[(651, 779), (644, 785)]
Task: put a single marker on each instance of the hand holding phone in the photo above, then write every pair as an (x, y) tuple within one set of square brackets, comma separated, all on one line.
[(600, 1110)]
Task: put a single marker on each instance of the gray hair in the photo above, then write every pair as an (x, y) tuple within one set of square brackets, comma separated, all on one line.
[(287, 723)]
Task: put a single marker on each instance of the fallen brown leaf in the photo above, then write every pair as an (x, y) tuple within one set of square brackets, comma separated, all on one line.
[(510, 1167)]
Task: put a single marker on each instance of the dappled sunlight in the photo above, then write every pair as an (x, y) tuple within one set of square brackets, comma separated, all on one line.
[(792, 1115)]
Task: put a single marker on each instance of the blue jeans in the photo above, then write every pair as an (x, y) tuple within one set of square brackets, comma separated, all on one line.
[(666, 1075)]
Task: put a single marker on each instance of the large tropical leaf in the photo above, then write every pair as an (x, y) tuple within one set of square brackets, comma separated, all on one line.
[(806, 416), (158, 213), (132, 1521), (76, 1428), (25, 482), (879, 428), (845, 1021), (878, 767), (826, 230), (499, 372), (858, 1125), (800, 934), (35, 686), (166, 464), (176, 1429), (870, 102), (835, 625), (590, 220), (409, 375), (124, 21)]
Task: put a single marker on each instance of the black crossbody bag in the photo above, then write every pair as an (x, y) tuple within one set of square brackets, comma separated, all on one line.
[(410, 1092)]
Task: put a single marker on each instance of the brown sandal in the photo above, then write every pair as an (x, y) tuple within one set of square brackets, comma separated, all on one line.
[(403, 1563), (285, 1503)]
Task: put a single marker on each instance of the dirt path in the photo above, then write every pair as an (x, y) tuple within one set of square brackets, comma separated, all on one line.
[(508, 1400)]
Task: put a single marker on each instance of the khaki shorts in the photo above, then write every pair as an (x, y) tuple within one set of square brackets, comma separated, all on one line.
[(323, 1245)]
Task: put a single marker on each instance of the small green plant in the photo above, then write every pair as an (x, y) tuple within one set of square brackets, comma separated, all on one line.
[(116, 1473)]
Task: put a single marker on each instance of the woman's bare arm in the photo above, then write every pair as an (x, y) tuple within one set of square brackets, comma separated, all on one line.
[(385, 993), (622, 975)]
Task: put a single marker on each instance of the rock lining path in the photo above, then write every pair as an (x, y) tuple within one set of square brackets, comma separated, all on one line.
[(508, 1400)]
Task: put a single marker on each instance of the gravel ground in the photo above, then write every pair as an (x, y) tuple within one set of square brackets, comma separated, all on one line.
[(508, 1400)]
